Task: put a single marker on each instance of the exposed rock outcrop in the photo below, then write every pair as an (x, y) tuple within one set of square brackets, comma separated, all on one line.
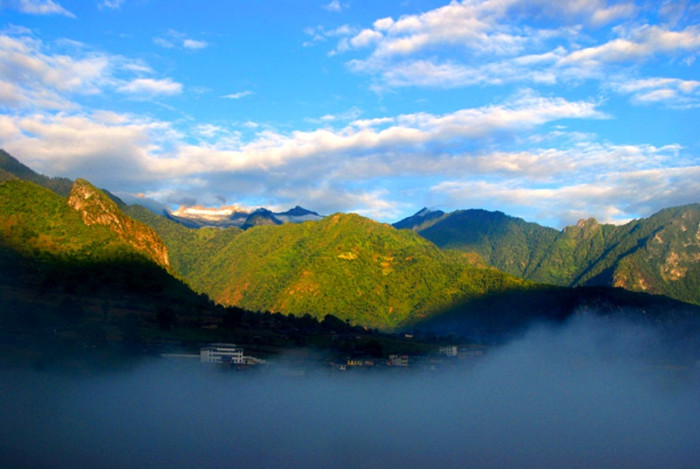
[(96, 208)]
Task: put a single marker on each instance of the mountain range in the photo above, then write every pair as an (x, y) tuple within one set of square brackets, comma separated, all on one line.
[(226, 217), (484, 269), (659, 254)]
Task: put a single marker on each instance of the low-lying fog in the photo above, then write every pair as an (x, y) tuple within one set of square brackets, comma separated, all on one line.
[(592, 394)]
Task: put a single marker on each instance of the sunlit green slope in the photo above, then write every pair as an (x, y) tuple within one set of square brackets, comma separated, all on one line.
[(354, 268)]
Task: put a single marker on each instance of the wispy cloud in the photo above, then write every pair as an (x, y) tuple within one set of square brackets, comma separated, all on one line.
[(238, 95), (639, 44), (30, 77), (151, 87), (111, 4), (40, 80), (672, 92), (335, 6), (350, 115), (38, 7), (319, 34), (176, 39), (194, 44)]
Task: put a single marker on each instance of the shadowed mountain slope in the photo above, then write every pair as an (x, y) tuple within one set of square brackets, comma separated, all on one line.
[(659, 254), (11, 165)]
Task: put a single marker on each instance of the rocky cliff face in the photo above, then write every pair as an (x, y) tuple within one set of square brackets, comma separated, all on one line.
[(96, 208)]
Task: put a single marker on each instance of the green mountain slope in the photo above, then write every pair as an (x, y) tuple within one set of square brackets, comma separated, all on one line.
[(657, 255), (97, 208), (190, 249), (9, 164), (346, 265), (510, 244), (37, 222)]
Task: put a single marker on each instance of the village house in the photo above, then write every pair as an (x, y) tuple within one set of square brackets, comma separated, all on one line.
[(222, 353)]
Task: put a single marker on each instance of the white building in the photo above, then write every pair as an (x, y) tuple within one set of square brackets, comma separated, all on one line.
[(221, 353), (448, 350), (397, 360)]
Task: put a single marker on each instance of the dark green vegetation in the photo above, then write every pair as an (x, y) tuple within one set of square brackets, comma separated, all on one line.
[(659, 254), (500, 317), (190, 250)]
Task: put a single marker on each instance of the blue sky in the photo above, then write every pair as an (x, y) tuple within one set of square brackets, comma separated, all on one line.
[(550, 111)]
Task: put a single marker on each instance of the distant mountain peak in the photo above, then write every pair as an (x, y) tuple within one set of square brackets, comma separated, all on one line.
[(419, 219), (261, 216), (262, 210), (298, 211)]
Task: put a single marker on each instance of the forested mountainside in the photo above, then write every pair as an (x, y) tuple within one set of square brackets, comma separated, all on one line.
[(346, 265), (659, 254)]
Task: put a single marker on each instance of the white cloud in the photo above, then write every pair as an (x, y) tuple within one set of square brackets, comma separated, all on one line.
[(365, 38), (209, 130), (151, 87), (320, 34), (174, 39), (40, 80), (353, 167), (163, 42), (609, 201), (486, 27), (194, 45), (111, 4), (238, 95), (30, 78), (335, 6), (350, 115), (39, 7), (250, 125), (108, 148), (641, 44), (672, 92)]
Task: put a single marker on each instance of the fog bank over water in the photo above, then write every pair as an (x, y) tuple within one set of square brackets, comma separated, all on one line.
[(591, 394)]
